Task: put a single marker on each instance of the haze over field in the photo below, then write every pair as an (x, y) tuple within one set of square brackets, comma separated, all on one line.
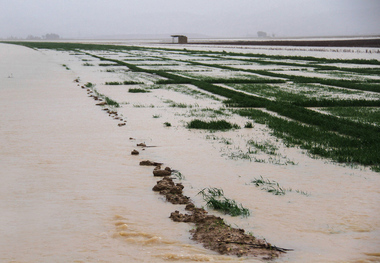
[(211, 18)]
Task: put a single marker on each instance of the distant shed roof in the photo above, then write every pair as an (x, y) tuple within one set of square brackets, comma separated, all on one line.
[(181, 39)]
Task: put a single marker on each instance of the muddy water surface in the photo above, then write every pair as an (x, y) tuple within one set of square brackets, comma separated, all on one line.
[(72, 192)]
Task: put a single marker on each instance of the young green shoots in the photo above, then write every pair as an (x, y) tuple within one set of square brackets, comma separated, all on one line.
[(111, 102), (215, 199)]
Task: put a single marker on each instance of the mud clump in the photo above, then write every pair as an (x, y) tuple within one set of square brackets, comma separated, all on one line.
[(150, 163), (135, 152), (159, 172), (166, 184), (172, 191), (216, 235), (198, 215), (177, 199)]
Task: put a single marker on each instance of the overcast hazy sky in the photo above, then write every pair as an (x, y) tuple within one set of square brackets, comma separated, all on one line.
[(218, 18)]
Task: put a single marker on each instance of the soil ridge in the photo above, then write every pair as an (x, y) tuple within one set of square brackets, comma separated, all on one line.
[(211, 231)]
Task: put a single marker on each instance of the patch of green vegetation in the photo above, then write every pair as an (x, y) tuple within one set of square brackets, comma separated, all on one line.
[(326, 138), (211, 137), (211, 191), (108, 100), (226, 141), (298, 58), (241, 155), (178, 175), (167, 124), (212, 125), (156, 116), (273, 187), (366, 71), (111, 102), (107, 65), (126, 82), (270, 186), (88, 64), (130, 82), (137, 90), (202, 113), (368, 115), (89, 85), (215, 199), (250, 154), (208, 113), (368, 85), (265, 147), (243, 80), (65, 66), (248, 125), (158, 64), (174, 80), (308, 95), (113, 83), (180, 105)]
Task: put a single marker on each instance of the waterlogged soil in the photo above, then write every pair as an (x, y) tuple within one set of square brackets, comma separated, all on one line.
[(72, 190)]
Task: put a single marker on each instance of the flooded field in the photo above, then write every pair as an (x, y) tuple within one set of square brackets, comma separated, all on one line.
[(72, 191)]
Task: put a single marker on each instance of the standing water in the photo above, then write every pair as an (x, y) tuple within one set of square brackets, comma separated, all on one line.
[(72, 192)]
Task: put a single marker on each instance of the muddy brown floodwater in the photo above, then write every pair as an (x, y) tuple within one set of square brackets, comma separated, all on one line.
[(72, 192)]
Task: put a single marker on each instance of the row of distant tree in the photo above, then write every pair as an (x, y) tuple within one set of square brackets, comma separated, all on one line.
[(50, 36)]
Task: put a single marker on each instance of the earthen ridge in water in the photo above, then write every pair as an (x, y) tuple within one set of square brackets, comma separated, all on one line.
[(211, 231)]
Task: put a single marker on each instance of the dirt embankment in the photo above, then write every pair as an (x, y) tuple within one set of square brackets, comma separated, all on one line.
[(211, 230)]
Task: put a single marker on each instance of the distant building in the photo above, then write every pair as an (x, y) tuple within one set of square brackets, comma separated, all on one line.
[(261, 34), (181, 39)]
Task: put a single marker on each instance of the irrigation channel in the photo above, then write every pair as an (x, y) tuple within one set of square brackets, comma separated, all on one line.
[(286, 140)]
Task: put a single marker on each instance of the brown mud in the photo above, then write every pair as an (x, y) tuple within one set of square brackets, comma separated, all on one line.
[(172, 191), (135, 152), (149, 163), (162, 172), (211, 231)]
